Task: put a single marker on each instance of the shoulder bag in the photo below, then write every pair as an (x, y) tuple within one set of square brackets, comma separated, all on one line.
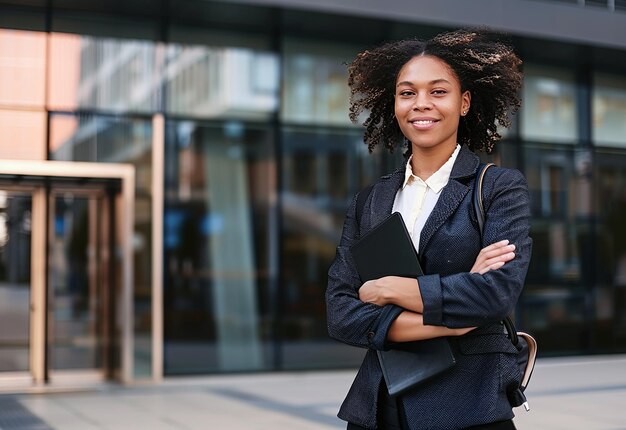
[(526, 355)]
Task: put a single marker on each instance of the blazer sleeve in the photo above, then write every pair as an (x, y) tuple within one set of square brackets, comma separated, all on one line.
[(349, 319), (470, 299)]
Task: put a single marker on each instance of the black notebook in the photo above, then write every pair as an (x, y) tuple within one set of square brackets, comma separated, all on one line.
[(387, 250)]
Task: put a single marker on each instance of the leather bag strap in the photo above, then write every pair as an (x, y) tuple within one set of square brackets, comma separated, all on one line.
[(479, 209)]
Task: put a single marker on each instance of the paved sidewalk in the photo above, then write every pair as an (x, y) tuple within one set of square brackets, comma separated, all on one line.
[(586, 393)]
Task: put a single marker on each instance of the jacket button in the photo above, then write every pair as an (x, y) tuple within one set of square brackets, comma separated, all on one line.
[(370, 335)]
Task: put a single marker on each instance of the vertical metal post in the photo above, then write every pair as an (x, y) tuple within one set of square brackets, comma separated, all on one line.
[(158, 165), (126, 215), (38, 286)]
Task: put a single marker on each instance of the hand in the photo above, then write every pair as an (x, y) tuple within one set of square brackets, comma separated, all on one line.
[(493, 257), (373, 292), (396, 290)]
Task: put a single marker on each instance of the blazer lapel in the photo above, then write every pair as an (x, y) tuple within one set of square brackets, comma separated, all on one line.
[(383, 197), (384, 194), (451, 196)]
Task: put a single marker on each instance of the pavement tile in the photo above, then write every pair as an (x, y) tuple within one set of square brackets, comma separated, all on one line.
[(573, 393)]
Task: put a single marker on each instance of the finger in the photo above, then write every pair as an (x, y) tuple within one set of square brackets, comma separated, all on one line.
[(491, 254), (494, 266), (498, 251), (489, 265), (496, 245), (495, 263), (495, 253), (503, 257)]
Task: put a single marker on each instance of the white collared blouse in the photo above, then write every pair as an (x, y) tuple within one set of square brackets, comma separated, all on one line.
[(416, 198)]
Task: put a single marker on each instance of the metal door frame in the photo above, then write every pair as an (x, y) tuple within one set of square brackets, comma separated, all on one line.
[(25, 378), (125, 214)]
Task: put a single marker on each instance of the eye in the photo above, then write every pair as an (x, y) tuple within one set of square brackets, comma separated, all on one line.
[(439, 92), (406, 93)]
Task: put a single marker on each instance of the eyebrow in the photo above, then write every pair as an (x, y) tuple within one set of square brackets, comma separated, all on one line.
[(433, 82)]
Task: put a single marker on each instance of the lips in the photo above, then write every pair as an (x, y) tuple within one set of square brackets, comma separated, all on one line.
[(423, 123)]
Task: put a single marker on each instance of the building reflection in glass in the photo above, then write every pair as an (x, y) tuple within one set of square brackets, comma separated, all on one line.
[(261, 163)]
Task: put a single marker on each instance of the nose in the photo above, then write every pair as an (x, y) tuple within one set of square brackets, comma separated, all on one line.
[(422, 102)]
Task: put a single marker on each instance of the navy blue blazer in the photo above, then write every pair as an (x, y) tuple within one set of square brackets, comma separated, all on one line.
[(474, 391)]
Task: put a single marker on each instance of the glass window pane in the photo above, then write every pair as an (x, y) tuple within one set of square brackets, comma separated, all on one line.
[(219, 233), (105, 74), (22, 68), (119, 140), (610, 261), (554, 301), (22, 135), (64, 70), (75, 296), (609, 110), (15, 268), (549, 111), (316, 83), (322, 170), (221, 82)]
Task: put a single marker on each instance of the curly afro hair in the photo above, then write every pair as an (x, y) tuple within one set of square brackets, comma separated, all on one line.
[(484, 65)]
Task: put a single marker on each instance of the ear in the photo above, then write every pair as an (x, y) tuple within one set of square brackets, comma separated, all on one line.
[(466, 101)]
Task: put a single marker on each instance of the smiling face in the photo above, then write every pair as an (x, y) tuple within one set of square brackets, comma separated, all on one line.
[(429, 104)]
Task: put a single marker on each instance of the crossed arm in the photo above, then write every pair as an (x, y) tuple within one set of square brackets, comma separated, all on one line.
[(405, 292)]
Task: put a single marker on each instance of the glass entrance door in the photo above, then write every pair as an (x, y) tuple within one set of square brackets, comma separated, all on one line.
[(15, 280), (66, 273), (79, 290), (57, 283)]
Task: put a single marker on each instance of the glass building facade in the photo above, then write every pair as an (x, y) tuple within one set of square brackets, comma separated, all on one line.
[(246, 106)]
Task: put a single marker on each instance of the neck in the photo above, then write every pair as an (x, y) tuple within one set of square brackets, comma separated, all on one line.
[(427, 161)]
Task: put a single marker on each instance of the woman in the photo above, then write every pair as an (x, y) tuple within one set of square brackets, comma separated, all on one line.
[(444, 97)]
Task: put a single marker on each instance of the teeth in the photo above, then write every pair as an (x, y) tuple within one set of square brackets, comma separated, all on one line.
[(420, 122)]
